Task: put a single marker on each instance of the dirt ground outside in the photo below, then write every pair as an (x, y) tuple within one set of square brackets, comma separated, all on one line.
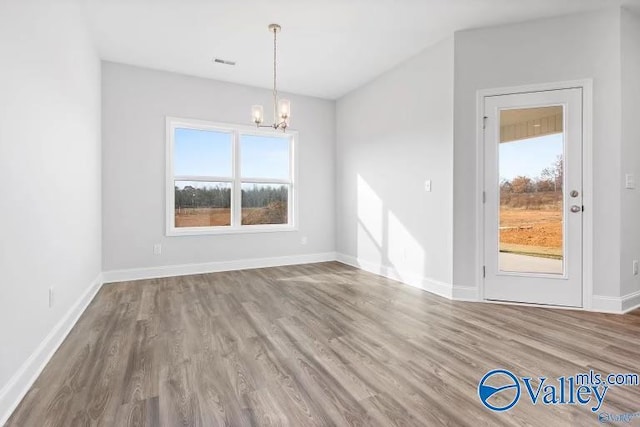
[(203, 217), (217, 217), (536, 232)]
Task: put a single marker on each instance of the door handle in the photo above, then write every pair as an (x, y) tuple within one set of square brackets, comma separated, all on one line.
[(576, 208)]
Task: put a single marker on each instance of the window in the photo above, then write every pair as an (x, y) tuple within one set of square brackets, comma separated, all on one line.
[(227, 179)]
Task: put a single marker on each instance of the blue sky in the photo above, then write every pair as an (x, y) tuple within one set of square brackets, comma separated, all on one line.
[(528, 157), (198, 152), (264, 157), (208, 153)]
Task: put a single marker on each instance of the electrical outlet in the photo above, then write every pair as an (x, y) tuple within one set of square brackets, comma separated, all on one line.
[(304, 240), (50, 297), (630, 181), (157, 249), (427, 185), (635, 267)]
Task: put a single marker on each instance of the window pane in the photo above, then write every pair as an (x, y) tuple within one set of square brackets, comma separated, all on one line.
[(202, 153), (265, 204), (264, 156), (202, 204)]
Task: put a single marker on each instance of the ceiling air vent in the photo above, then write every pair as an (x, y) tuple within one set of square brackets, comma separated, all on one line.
[(223, 61)]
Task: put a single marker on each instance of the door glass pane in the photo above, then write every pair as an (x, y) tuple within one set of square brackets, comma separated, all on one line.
[(202, 204), (531, 195)]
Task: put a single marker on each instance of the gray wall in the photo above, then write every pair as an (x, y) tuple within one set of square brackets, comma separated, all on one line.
[(50, 173), (393, 134), (135, 103), (550, 50), (630, 150)]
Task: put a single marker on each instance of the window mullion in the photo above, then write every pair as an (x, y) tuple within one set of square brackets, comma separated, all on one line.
[(292, 173), (237, 184)]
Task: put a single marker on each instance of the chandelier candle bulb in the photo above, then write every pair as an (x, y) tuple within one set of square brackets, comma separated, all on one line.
[(257, 113), (284, 107)]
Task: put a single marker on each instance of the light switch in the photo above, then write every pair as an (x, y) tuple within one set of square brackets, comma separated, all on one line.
[(630, 181), (427, 185)]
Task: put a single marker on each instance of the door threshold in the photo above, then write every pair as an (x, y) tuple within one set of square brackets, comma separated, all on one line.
[(530, 304)]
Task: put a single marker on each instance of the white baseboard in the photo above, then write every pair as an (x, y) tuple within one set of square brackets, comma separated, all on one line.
[(212, 267), (616, 305), (20, 383), (605, 304), (466, 293), (430, 285), (630, 302)]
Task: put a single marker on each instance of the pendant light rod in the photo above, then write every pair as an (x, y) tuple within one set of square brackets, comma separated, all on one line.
[(275, 28)]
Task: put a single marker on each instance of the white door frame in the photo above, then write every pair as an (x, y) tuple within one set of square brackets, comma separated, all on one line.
[(587, 176)]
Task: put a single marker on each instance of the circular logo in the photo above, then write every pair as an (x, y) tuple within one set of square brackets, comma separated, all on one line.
[(499, 381)]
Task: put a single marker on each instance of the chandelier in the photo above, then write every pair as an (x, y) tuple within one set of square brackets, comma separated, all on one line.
[(282, 107)]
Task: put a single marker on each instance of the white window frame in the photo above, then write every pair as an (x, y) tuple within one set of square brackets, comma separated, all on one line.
[(236, 180)]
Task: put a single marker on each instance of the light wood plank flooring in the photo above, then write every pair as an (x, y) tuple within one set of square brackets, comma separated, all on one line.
[(317, 345)]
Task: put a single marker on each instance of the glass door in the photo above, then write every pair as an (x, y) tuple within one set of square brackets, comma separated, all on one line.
[(533, 190)]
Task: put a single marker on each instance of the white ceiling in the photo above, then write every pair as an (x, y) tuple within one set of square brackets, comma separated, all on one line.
[(326, 48)]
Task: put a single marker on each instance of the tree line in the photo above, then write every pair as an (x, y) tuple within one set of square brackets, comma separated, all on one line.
[(550, 179), (220, 196)]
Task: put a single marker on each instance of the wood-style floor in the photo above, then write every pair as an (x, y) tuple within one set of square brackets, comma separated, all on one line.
[(315, 345)]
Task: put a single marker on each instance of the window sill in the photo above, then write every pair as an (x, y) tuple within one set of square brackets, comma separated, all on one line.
[(247, 229)]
